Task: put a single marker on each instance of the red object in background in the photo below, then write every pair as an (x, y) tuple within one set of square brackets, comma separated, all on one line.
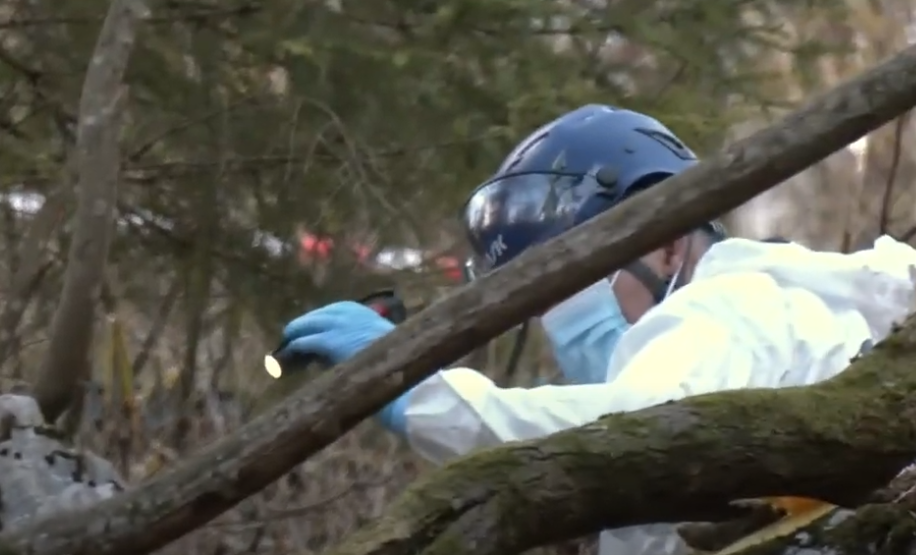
[(451, 267), (362, 253), (314, 247), (319, 249)]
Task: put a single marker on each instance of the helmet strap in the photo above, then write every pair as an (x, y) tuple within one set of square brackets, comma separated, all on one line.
[(657, 286)]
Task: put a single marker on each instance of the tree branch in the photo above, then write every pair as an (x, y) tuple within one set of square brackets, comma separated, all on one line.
[(836, 441), (237, 466), (97, 166)]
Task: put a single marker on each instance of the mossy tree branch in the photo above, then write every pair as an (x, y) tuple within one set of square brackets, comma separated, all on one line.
[(836, 441), (230, 470)]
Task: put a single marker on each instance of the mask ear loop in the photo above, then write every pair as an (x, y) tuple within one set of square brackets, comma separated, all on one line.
[(676, 278), (673, 284), (613, 279)]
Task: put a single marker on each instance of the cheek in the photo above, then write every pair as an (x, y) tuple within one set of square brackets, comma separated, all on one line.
[(624, 293), (633, 297)]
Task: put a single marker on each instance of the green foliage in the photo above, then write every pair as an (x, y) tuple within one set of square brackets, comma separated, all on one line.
[(368, 122), (363, 121)]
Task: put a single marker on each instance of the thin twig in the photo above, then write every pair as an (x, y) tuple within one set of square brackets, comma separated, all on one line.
[(884, 221)]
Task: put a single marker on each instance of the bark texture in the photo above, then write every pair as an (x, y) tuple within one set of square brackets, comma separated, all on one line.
[(874, 529), (884, 526), (675, 462)]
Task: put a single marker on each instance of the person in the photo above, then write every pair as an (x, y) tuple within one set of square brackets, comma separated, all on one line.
[(736, 314)]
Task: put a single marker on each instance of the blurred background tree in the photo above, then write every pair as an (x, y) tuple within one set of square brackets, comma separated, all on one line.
[(282, 154)]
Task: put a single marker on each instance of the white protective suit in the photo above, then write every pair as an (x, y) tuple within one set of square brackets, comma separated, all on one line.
[(754, 315)]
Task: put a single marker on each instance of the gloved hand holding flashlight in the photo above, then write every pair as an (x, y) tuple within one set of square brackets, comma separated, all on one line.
[(332, 334)]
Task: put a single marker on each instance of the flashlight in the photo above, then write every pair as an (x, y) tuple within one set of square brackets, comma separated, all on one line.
[(385, 302)]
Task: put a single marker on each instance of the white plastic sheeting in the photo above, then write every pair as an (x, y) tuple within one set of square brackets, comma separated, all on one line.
[(40, 475)]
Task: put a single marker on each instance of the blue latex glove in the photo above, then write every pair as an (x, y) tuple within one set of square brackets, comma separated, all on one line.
[(338, 331), (335, 332)]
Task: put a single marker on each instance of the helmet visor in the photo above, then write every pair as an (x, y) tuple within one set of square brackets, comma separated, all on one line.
[(506, 216)]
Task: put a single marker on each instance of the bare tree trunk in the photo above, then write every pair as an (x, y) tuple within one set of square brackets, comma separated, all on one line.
[(97, 165), (568, 484)]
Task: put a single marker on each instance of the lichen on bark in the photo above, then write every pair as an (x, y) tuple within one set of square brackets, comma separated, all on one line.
[(875, 529)]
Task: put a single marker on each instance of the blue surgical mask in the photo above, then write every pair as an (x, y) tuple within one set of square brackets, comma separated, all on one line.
[(584, 330)]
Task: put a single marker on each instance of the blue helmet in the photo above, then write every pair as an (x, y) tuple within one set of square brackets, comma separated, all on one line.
[(565, 173)]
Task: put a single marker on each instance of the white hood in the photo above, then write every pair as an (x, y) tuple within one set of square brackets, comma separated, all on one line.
[(877, 282)]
